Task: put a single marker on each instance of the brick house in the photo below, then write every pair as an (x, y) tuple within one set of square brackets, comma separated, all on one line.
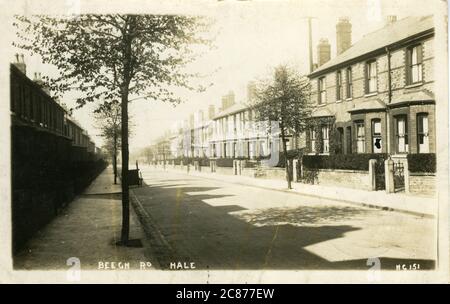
[(234, 134), (376, 95)]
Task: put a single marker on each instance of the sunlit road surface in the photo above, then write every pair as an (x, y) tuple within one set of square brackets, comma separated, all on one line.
[(219, 225)]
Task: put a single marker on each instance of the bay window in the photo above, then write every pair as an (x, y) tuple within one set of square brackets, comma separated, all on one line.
[(422, 133), (401, 131), (360, 137), (325, 139)]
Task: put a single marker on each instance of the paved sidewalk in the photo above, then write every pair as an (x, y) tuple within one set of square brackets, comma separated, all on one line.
[(407, 203), (87, 229)]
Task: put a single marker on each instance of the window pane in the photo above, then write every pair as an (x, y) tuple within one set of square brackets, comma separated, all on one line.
[(401, 126), (373, 69), (420, 121), (425, 124), (414, 55), (377, 127), (419, 72), (360, 130)]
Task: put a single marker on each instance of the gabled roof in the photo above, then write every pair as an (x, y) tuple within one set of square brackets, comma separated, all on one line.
[(386, 36)]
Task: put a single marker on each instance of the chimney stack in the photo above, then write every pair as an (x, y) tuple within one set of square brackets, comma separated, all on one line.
[(343, 35), (323, 51), (227, 100), (211, 112), (391, 19), (20, 63), (251, 91), (200, 117)]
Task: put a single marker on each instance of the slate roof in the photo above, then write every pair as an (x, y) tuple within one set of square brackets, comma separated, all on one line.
[(422, 95), (386, 36), (374, 104), (322, 112)]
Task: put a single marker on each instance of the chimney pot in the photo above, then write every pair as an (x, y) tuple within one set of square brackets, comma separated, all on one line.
[(227, 100), (211, 112)]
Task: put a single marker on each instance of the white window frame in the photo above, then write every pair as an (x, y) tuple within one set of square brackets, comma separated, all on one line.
[(423, 137), (325, 129), (322, 91), (371, 67), (360, 137)]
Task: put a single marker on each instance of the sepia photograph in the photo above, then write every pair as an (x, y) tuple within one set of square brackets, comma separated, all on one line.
[(253, 141)]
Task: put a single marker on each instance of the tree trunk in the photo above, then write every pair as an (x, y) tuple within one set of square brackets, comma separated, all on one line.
[(125, 190), (286, 161), (115, 158)]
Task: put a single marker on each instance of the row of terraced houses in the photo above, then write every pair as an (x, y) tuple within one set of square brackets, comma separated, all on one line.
[(375, 96)]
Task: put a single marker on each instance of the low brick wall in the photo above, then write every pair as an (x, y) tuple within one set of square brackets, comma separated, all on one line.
[(422, 183), (343, 178)]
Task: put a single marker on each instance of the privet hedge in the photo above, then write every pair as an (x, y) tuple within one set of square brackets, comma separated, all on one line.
[(341, 161), (224, 162), (425, 163)]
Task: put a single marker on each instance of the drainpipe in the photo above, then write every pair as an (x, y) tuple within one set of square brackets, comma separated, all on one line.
[(388, 120)]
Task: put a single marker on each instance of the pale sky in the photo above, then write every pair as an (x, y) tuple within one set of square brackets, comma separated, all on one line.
[(253, 37)]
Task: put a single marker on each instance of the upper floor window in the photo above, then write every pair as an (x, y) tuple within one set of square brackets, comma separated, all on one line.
[(371, 76), (339, 92), (349, 82), (322, 91), (414, 64)]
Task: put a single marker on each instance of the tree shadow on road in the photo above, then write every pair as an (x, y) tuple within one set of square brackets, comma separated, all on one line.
[(212, 238)]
